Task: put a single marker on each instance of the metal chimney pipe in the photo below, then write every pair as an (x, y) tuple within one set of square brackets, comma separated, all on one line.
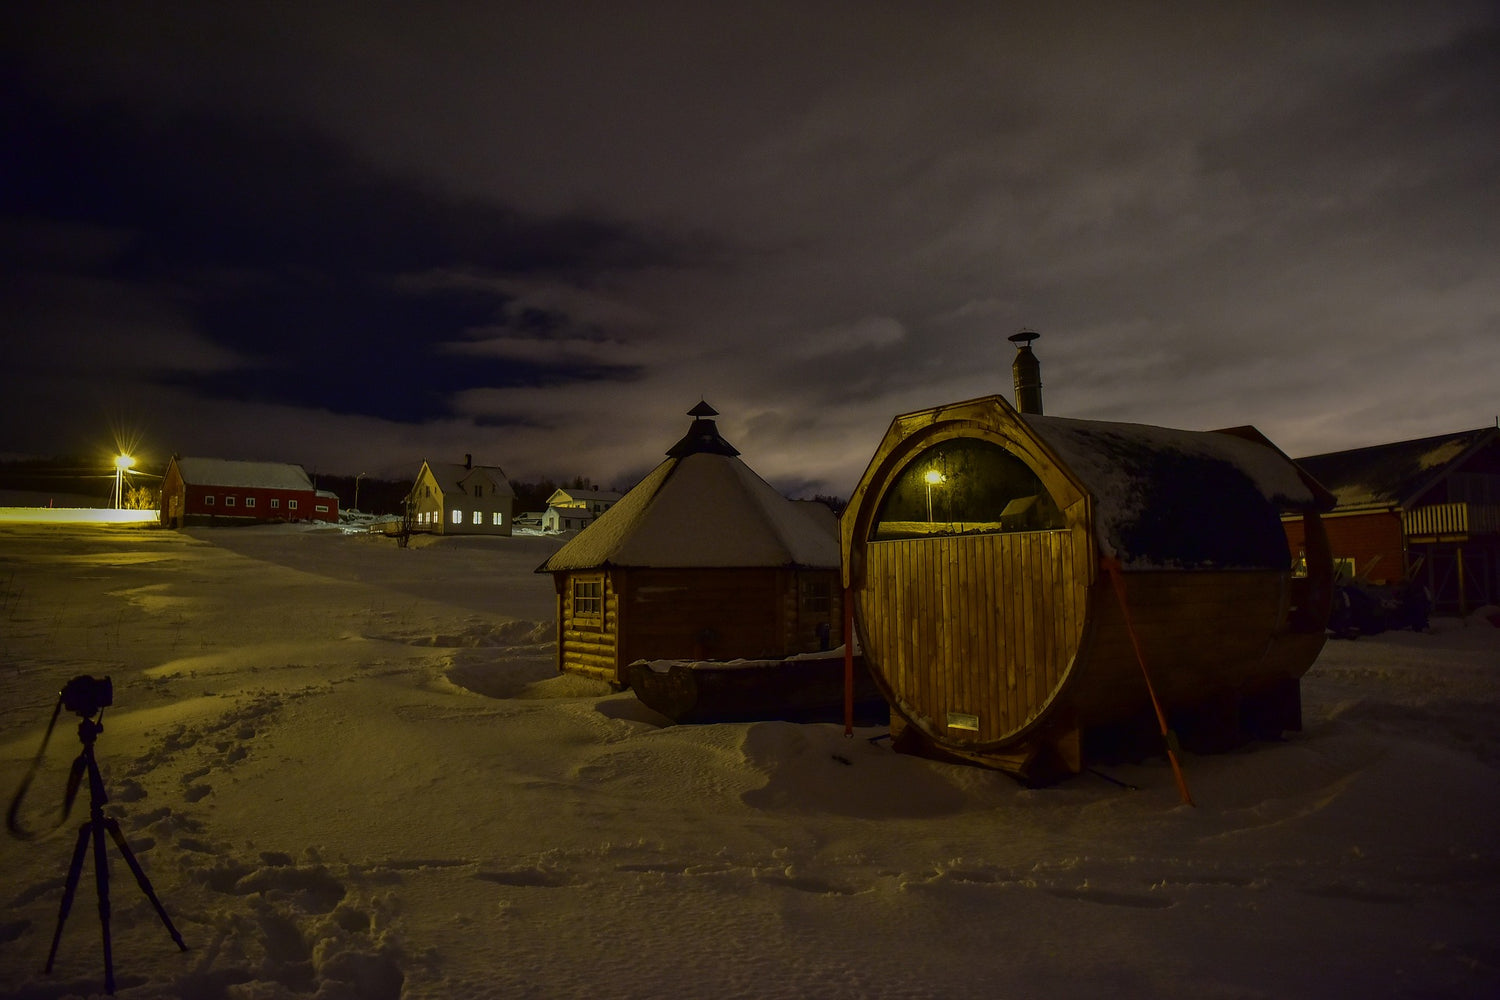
[(1027, 372)]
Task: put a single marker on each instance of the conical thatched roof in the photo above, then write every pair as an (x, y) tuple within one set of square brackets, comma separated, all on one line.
[(704, 507)]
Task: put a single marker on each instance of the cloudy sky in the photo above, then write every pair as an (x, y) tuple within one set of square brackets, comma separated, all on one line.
[(354, 236)]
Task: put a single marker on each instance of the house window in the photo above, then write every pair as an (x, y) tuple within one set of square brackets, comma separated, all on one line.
[(291, 504), (478, 490), (249, 501), (208, 501), (478, 517), (275, 503), (588, 599), (229, 501), (458, 517), (321, 508), (497, 518)]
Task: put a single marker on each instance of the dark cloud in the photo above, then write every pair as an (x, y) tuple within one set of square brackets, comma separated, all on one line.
[(355, 235)]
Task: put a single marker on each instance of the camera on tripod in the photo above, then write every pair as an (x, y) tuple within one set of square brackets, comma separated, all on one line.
[(87, 696)]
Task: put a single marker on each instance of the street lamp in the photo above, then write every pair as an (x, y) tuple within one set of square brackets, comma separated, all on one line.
[(122, 462), (933, 478)]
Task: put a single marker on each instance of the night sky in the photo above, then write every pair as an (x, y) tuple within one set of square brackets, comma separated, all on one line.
[(356, 236)]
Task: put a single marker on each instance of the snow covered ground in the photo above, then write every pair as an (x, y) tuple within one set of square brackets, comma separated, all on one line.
[(350, 770)]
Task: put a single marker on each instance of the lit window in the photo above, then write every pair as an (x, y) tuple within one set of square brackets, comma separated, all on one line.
[(497, 518), (458, 517), (478, 517)]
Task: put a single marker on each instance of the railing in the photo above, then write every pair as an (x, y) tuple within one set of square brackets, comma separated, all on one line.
[(1451, 519)]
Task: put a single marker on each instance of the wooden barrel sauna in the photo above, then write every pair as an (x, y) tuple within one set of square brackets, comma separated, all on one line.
[(976, 553)]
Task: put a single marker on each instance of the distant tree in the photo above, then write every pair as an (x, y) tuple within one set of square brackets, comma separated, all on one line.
[(141, 497), (835, 504)]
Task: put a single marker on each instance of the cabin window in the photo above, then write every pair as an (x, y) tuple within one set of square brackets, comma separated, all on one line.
[(478, 490), (965, 487), (478, 517), (588, 600), (291, 504), (321, 508), (208, 501), (497, 518), (458, 517), (817, 597), (229, 501), (275, 503), (249, 501)]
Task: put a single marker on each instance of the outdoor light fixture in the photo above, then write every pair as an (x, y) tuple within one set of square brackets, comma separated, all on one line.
[(932, 478), (122, 462)]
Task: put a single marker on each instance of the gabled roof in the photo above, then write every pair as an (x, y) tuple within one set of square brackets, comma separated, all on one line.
[(1398, 474), (242, 475), (451, 476), (704, 508), (608, 495)]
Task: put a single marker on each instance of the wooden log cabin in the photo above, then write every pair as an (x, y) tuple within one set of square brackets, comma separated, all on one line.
[(703, 560), (977, 555)]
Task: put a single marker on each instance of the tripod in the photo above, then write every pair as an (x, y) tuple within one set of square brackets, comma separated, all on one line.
[(98, 823)]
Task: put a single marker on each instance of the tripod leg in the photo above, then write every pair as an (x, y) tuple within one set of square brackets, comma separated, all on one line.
[(101, 883), (142, 881), (68, 890)]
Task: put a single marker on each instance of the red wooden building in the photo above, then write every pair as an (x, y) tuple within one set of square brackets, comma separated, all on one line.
[(1426, 509), (220, 491)]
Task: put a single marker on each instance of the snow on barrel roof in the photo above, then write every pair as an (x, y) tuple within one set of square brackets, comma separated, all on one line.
[(1174, 498), (704, 508), (228, 472)]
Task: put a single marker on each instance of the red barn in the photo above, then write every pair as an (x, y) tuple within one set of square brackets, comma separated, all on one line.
[(1426, 509), (220, 491)]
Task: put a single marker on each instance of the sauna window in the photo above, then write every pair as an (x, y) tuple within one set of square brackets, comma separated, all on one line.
[(964, 487), (588, 600)]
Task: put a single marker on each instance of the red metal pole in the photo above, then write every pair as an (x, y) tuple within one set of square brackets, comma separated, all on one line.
[(1112, 567)]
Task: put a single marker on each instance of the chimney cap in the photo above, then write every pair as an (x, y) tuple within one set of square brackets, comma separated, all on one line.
[(1023, 339)]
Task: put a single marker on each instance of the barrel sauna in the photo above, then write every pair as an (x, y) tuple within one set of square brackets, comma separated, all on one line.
[(981, 550)]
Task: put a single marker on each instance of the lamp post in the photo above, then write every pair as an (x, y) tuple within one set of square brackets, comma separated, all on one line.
[(122, 462), (933, 478), (356, 489)]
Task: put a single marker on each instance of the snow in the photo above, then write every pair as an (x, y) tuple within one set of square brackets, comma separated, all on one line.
[(1129, 469), (705, 510), (228, 472), (350, 770)]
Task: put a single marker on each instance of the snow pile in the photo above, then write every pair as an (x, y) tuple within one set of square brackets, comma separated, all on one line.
[(350, 770)]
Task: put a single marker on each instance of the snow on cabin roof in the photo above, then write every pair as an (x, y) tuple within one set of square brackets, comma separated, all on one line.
[(1175, 498), (227, 472), (704, 510)]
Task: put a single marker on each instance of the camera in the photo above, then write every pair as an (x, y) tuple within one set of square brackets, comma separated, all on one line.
[(86, 696)]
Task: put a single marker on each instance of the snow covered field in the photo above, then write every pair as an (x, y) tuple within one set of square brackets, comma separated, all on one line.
[(350, 770)]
